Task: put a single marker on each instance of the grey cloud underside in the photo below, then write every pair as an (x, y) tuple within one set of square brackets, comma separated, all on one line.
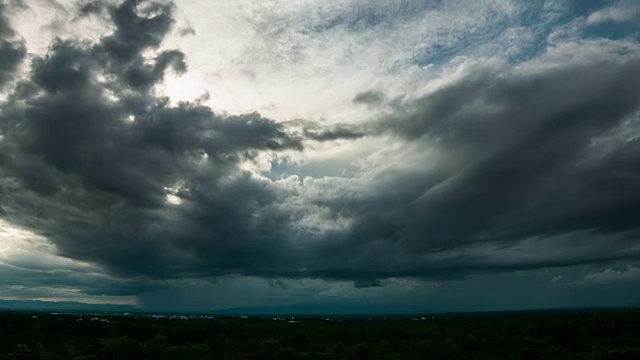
[(369, 97), (528, 165), (89, 155), (530, 170), (520, 159)]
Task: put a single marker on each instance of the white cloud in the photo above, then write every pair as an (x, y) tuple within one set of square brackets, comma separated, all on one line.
[(620, 12), (557, 278), (308, 59), (607, 276)]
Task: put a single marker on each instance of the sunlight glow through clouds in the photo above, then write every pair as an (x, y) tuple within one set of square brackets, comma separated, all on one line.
[(187, 87), (15, 239), (26, 250), (23, 252)]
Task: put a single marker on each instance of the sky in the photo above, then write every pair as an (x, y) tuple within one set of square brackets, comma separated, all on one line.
[(392, 155)]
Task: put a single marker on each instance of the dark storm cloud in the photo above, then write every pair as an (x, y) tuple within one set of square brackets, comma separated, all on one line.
[(12, 48), (519, 158), (339, 132), (90, 154), (532, 169), (523, 159), (369, 97), (317, 131)]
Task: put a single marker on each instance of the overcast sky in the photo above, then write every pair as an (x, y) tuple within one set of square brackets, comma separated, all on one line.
[(392, 155)]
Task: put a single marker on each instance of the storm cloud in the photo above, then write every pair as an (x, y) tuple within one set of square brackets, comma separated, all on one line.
[(499, 167), (94, 160)]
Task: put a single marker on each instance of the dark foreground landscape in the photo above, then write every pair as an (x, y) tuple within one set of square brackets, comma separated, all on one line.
[(540, 335)]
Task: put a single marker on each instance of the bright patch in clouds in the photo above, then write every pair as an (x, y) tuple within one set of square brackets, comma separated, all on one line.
[(187, 87), (26, 255)]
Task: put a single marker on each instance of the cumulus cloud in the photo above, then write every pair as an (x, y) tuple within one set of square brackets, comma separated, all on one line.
[(91, 153), (619, 12), (613, 276)]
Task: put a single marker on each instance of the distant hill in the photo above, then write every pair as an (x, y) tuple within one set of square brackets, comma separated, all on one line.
[(37, 305), (318, 309), (349, 309)]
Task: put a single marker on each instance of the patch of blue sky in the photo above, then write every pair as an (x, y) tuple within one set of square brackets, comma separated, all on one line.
[(369, 15), (514, 38), (490, 42), (585, 8), (614, 30), (524, 36), (538, 24)]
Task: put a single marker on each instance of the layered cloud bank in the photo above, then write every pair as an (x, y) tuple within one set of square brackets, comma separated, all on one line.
[(488, 146)]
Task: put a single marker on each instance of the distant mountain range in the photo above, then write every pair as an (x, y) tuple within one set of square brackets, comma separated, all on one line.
[(293, 309), (313, 309), (37, 305), (320, 309)]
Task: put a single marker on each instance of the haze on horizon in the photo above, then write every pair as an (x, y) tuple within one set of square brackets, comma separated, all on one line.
[(417, 155)]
